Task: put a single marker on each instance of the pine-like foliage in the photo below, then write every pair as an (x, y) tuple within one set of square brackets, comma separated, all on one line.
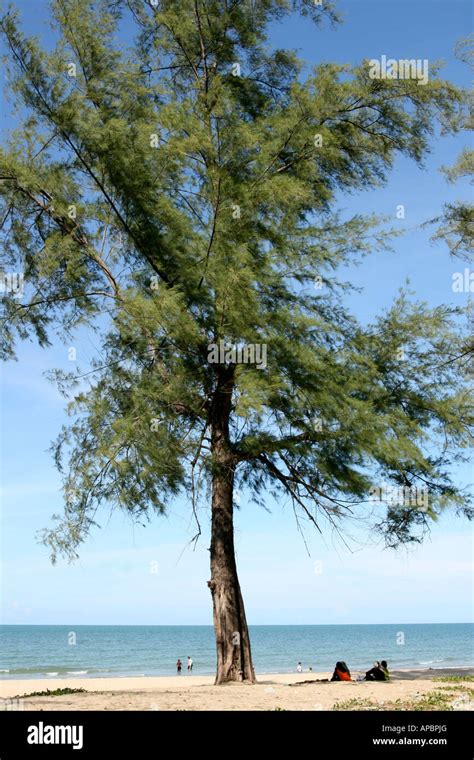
[(456, 226), (174, 185)]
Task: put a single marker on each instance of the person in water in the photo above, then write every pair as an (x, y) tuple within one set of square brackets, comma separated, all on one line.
[(379, 672), (179, 665), (341, 672)]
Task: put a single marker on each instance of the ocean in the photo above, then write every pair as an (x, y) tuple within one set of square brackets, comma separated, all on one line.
[(42, 651)]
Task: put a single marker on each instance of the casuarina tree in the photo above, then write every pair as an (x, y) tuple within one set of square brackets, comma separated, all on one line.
[(174, 185), (456, 227)]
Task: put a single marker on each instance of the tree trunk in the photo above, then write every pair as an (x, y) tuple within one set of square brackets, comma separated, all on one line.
[(234, 659)]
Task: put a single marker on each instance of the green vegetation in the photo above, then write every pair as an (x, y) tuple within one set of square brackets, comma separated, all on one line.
[(456, 679), (442, 698), (52, 693), (457, 219)]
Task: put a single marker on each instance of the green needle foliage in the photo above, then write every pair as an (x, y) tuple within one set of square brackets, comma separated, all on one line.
[(457, 221), (182, 191)]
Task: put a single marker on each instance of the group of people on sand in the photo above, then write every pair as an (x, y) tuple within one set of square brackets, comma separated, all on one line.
[(179, 665), (379, 672)]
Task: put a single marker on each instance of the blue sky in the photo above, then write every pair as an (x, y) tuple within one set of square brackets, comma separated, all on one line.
[(130, 574)]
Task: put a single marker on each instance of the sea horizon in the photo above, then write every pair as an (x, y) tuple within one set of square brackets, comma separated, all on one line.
[(94, 651), (209, 625)]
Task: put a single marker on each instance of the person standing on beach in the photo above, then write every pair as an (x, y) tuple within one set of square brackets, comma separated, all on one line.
[(299, 667), (190, 663), (179, 665)]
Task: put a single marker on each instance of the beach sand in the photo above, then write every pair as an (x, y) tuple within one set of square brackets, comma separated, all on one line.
[(194, 692)]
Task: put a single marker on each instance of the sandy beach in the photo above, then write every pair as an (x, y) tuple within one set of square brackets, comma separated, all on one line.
[(276, 691)]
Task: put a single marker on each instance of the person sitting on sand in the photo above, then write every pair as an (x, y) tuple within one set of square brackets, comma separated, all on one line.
[(341, 672), (179, 665), (378, 673)]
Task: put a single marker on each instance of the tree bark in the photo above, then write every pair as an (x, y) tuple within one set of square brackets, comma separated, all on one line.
[(234, 658)]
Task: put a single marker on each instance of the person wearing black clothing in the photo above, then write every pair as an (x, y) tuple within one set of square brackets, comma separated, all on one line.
[(341, 672), (378, 673)]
